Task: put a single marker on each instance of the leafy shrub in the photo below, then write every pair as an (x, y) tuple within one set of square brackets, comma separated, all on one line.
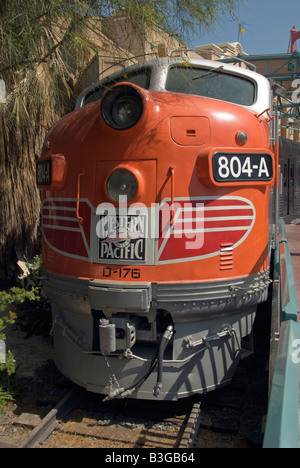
[(14, 302)]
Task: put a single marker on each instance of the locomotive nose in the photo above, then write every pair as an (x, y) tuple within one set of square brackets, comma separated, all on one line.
[(122, 107)]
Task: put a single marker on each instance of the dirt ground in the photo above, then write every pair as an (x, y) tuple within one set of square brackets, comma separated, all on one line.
[(37, 378), (30, 353)]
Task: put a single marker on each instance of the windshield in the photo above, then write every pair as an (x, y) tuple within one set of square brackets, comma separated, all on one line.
[(139, 78), (213, 83)]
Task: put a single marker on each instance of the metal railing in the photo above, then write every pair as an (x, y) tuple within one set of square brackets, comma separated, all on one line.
[(282, 425)]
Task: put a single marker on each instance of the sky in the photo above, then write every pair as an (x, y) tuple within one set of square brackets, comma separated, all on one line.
[(267, 25)]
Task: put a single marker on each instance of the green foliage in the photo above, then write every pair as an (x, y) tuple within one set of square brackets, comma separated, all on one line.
[(8, 379), (6, 320), (9, 385), (25, 305), (177, 17), (16, 295), (33, 31)]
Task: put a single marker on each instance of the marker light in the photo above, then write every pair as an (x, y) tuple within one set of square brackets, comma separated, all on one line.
[(122, 182), (242, 137), (122, 107)]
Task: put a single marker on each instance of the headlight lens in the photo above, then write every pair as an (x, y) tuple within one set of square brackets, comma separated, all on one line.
[(122, 182), (122, 107), (126, 111)]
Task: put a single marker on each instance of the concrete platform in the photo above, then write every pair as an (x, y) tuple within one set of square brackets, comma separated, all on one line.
[(292, 225)]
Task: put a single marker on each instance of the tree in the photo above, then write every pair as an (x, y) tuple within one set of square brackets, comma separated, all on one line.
[(40, 41)]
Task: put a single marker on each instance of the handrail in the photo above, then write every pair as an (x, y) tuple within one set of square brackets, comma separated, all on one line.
[(172, 175), (289, 301), (80, 218), (282, 426)]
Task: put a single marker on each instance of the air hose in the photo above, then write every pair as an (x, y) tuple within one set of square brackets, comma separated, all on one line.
[(157, 360), (162, 347)]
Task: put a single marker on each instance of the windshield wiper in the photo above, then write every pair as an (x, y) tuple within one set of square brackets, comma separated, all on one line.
[(209, 72)]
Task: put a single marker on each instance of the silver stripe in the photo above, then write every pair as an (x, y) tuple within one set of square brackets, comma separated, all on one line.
[(221, 218), (61, 228), (221, 229), (63, 208), (60, 218)]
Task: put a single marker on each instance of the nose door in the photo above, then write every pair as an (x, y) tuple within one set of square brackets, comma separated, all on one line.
[(121, 232)]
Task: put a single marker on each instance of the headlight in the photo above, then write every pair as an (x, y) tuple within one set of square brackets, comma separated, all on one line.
[(122, 107), (122, 182)]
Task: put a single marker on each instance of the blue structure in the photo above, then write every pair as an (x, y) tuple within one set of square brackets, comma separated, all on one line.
[(282, 427)]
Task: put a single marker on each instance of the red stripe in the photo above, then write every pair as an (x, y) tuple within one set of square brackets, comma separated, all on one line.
[(61, 213), (62, 203)]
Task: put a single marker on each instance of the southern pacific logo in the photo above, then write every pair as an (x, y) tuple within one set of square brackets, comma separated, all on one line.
[(122, 237)]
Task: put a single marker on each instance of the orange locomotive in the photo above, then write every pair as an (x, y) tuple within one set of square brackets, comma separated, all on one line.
[(156, 242)]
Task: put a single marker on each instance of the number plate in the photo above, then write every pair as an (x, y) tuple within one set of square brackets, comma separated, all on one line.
[(43, 172), (242, 167)]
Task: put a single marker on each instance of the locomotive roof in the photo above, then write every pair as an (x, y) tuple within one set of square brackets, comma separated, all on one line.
[(159, 69)]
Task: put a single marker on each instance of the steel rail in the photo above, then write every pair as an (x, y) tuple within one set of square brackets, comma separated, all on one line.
[(40, 433), (192, 427)]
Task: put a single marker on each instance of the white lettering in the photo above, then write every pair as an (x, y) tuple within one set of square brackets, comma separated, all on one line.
[(193, 222), (295, 94), (122, 231), (263, 168), (2, 92), (296, 353), (103, 210), (2, 352), (123, 250), (115, 458), (138, 249)]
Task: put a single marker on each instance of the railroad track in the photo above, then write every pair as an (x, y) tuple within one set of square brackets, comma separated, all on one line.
[(223, 418), (72, 423), (228, 417), (218, 419)]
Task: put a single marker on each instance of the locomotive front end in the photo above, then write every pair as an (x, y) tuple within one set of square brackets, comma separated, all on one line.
[(156, 198)]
